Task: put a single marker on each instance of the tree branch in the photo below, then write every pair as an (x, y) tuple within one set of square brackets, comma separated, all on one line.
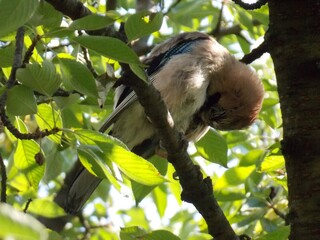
[(196, 190), (29, 52), (75, 10), (27, 205), (251, 6), (3, 181), (217, 28), (17, 60), (256, 53), (28, 136), (17, 63)]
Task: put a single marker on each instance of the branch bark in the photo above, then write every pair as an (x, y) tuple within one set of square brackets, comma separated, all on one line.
[(294, 48), (3, 181)]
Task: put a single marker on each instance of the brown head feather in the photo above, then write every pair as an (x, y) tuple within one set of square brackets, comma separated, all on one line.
[(241, 95)]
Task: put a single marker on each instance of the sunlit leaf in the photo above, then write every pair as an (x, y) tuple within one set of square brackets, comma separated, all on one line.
[(25, 159), (137, 218), (140, 191), (18, 225), (46, 208), (252, 157), (21, 101), (272, 163), (234, 176), (49, 118), (93, 161), (135, 167)]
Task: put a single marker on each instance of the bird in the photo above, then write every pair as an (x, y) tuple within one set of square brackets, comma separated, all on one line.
[(202, 85)]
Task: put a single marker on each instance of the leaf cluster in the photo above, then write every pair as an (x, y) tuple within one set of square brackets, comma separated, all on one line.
[(56, 88)]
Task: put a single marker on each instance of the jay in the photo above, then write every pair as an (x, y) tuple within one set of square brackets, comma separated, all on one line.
[(202, 86)]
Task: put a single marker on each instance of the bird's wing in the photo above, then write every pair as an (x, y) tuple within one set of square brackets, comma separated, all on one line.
[(157, 59)]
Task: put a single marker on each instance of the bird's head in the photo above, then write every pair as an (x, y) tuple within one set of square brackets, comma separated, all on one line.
[(234, 97)]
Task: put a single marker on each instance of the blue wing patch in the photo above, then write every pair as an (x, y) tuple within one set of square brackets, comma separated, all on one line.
[(159, 61)]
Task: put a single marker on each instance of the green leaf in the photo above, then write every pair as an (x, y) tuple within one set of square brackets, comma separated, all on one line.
[(21, 101), (42, 79), (140, 191), (25, 159), (135, 167), (45, 208), (244, 44), (48, 118), (130, 233), (94, 162), (228, 195), (18, 225), (139, 71), (6, 55), (46, 16), (272, 163), (160, 198), (65, 102), (78, 76), (233, 177), (160, 235), (91, 22), (109, 47), (279, 234), (252, 157), (213, 147), (59, 32), (142, 23), (14, 13)]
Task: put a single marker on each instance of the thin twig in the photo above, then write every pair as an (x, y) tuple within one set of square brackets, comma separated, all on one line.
[(28, 136), (85, 224), (17, 60), (29, 52), (217, 28), (251, 6), (88, 62), (172, 6), (279, 213), (27, 205), (256, 53), (17, 63), (3, 180)]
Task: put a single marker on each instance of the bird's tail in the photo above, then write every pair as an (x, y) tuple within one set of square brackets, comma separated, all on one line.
[(78, 186)]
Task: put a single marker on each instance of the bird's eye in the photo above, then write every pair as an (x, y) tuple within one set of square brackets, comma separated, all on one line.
[(217, 113)]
